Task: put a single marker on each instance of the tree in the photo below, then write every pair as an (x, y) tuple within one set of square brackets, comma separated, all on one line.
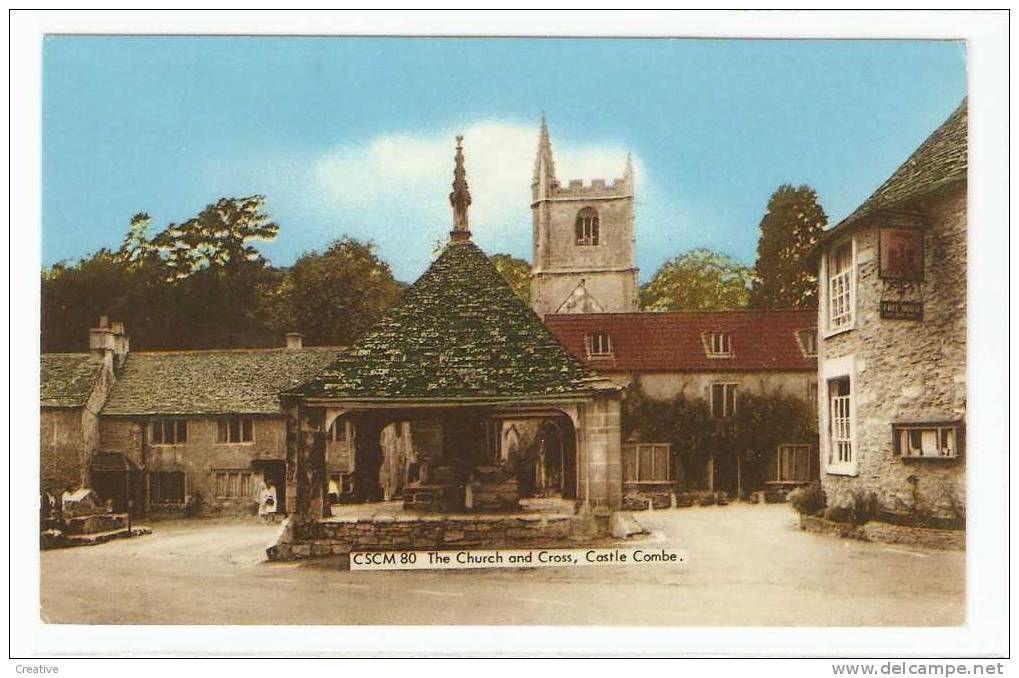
[(791, 226), (517, 273), (219, 237), (699, 280), (334, 297)]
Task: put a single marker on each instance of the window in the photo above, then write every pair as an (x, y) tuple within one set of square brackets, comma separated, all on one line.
[(647, 463), (169, 432), (723, 400), (840, 453), (791, 464), (915, 441), (235, 430), (339, 431), (812, 392), (599, 344), (166, 487), (718, 344), (808, 342), (840, 287), (587, 226), (237, 484)]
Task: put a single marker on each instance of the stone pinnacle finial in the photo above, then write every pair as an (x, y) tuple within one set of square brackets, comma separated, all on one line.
[(544, 165), (460, 198)]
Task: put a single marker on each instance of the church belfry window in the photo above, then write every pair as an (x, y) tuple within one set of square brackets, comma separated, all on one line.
[(587, 226)]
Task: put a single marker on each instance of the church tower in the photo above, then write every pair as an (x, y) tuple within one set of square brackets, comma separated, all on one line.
[(582, 241)]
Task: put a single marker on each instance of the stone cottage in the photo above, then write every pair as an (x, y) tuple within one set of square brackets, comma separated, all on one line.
[(715, 356), (206, 426), (892, 352), (73, 390)]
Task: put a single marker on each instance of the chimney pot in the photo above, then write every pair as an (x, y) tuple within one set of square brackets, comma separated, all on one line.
[(104, 321), (295, 340)]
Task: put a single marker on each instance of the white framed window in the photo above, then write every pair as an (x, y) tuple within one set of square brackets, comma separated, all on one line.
[(927, 441), (647, 463), (841, 450), (808, 342), (841, 287), (718, 344), (723, 400), (232, 430), (168, 432), (599, 345), (235, 483), (587, 227), (791, 464)]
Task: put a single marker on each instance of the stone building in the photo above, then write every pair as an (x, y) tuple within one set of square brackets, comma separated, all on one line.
[(892, 353), (718, 357), (582, 247), (204, 427), (449, 364), (73, 389)]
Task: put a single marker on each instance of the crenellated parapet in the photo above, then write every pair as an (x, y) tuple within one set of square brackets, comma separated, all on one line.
[(597, 188)]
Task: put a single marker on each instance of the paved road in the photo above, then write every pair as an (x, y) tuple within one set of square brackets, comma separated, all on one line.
[(748, 565)]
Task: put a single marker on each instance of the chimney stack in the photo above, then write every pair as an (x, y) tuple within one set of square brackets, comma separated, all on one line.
[(109, 342), (295, 340)]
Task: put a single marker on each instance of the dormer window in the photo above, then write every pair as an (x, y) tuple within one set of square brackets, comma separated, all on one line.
[(808, 342), (718, 344), (587, 226), (599, 345)]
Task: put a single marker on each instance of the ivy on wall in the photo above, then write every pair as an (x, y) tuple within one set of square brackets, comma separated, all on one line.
[(759, 425)]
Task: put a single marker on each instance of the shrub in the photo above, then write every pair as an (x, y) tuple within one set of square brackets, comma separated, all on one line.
[(861, 508), (808, 499)]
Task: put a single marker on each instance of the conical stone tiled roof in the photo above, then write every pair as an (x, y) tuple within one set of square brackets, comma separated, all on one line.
[(461, 334)]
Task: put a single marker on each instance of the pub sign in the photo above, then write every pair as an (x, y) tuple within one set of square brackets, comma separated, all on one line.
[(901, 254), (901, 310)]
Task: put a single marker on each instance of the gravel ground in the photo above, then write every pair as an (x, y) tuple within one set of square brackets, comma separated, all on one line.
[(747, 565)]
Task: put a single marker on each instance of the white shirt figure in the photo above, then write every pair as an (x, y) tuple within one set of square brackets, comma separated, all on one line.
[(267, 501)]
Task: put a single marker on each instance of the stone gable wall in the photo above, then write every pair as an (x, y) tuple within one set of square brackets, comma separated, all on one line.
[(905, 370)]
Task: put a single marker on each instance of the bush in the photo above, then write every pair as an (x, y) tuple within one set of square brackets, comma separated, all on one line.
[(809, 499), (861, 508)]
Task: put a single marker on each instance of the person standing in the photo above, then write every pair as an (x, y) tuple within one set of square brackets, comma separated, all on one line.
[(267, 502)]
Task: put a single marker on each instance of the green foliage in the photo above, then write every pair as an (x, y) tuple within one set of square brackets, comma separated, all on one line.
[(699, 280), (517, 273), (759, 425), (219, 237), (334, 296), (792, 224), (809, 499), (202, 284)]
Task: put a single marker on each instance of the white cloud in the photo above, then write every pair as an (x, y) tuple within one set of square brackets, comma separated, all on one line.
[(403, 175)]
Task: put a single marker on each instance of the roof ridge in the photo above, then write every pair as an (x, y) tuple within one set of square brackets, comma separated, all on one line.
[(271, 349)]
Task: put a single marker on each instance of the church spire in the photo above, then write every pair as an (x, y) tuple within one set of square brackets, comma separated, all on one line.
[(544, 165), (460, 198)]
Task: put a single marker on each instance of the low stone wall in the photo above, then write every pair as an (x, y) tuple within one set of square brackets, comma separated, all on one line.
[(887, 533), (341, 535)]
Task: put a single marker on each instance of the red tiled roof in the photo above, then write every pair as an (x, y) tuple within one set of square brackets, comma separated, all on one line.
[(760, 340)]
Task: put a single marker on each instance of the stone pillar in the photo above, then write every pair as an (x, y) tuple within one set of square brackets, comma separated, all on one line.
[(291, 411), (600, 456), (312, 464)]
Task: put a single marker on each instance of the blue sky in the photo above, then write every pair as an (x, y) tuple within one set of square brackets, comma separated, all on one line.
[(354, 135)]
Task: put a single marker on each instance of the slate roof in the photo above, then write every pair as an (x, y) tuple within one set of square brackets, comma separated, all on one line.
[(212, 382), (459, 333), (66, 379), (940, 161), (674, 341)]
